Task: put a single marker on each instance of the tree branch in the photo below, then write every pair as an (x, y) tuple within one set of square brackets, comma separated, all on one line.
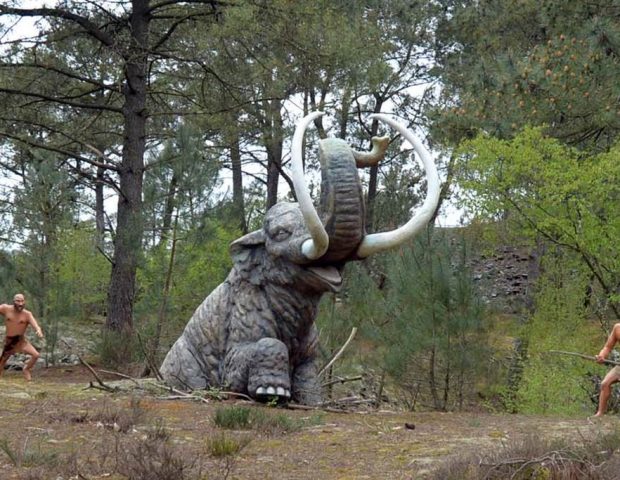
[(59, 71), (47, 98), (88, 26), (335, 357), (60, 151)]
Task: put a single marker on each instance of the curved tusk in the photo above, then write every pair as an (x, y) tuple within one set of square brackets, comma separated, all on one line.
[(316, 246), (377, 242), (368, 159)]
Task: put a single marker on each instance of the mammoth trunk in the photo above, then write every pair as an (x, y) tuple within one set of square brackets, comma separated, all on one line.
[(342, 202)]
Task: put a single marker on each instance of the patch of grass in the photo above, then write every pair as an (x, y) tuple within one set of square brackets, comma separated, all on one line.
[(28, 455), (275, 422), (265, 420), (223, 445), (232, 418), (536, 458)]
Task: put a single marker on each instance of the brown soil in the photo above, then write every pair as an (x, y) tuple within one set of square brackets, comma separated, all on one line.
[(57, 427)]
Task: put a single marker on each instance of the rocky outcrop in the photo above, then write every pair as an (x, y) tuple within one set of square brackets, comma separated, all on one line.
[(504, 277)]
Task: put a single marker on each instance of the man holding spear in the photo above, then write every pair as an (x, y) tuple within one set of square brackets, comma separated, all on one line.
[(613, 375)]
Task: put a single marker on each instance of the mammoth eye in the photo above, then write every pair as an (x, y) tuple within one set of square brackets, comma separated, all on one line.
[(280, 234)]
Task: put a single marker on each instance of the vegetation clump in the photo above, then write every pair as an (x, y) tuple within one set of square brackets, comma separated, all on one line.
[(246, 418), (534, 457)]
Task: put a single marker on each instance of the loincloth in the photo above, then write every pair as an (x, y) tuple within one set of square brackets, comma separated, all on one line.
[(11, 343)]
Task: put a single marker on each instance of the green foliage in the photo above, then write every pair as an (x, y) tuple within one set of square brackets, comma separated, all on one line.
[(232, 417), (82, 273), (79, 279), (43, 207), (270, 421), (29, 454), (420, 319), (552, 192), (222, 445), (359, 306), (553, 384), (436, 333), (201, 262), (507, 64), (180, 184), (274, 422)]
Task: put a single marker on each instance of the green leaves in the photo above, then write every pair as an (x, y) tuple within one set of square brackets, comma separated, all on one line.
[(505, 65), (546, 189)]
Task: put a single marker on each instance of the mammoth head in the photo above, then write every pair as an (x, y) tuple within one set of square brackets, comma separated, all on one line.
[(274, 253), (298, 239), (338, 234)]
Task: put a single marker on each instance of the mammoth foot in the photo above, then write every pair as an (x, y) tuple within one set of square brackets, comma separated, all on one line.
[(269, 393), (268, 373)]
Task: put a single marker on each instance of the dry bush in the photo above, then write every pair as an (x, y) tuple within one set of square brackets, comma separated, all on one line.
[(536, 458), (152, 458), (28, 453), (118, 418)]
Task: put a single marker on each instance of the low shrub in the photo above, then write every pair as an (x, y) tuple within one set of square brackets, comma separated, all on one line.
[(223, 445), (263, 420), (536, 458)]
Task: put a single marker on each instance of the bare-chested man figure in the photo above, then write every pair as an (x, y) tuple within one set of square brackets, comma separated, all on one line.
[(613, 375), (17, 320)]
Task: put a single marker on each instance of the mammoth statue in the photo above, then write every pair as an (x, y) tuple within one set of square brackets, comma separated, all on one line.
[(255, 333)]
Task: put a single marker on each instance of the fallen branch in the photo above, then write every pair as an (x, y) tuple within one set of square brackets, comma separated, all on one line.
[(102, 385), (335, 357), (119, 374), (319, 407), (185, 397), (188, 395), (341, 380), (586, 357)]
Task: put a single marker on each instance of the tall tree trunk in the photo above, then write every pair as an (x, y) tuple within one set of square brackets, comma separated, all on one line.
[(238, 202), (99, 208), (128, 240), (273, 144), (446, 384), (273, 176), (372, 180), (169, 209), (432, 380)]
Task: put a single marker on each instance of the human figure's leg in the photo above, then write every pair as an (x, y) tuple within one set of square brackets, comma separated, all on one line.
[(612, 377), (28, 349), (10, 345), (3, 359)]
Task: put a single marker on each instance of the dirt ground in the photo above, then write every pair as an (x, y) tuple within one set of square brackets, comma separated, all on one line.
[(58, 428)]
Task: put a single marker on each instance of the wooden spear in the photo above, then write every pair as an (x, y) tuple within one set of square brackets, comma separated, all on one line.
[(581, 355)]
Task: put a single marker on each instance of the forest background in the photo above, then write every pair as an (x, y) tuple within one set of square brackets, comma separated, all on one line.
[(139, 138)]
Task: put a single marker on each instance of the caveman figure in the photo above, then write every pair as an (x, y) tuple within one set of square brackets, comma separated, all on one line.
[(17, 320)]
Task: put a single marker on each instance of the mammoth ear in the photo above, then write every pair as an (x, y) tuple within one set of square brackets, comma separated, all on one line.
[(240, 249)]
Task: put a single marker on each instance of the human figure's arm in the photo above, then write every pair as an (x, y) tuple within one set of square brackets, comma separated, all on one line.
[(3, 308), (36, 326), (614, 337)]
